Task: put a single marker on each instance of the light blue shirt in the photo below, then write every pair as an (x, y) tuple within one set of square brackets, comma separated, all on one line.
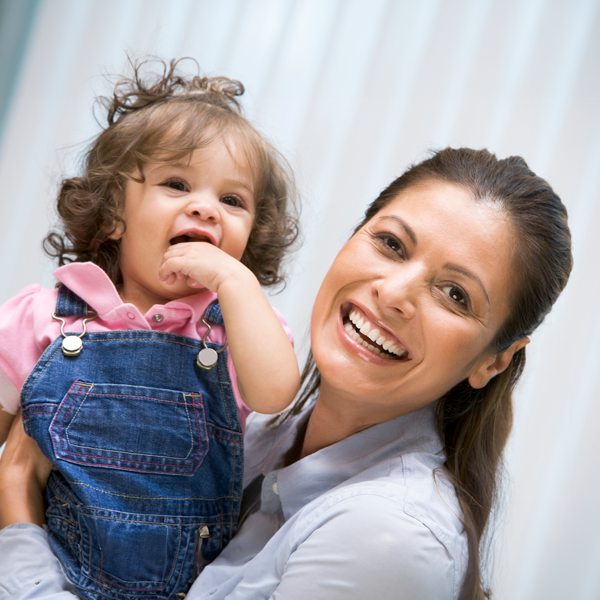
[(368, 517)]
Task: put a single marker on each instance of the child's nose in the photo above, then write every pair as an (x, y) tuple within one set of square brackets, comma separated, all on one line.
[(205, 208)]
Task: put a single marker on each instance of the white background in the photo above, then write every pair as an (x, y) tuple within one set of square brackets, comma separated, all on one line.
[(352, 91)]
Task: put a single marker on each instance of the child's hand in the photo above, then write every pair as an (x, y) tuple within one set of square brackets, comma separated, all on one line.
[(202, 265)]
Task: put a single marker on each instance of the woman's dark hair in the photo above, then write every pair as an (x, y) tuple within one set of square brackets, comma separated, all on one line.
[(164, 117), (474, 424)]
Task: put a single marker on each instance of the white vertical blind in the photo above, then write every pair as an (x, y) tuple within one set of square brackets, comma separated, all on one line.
[(352, 91)]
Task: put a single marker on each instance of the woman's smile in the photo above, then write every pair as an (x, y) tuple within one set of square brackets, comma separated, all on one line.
[(367, 332)]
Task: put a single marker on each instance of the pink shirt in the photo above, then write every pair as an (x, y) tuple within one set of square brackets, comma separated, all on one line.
[(27, 327)]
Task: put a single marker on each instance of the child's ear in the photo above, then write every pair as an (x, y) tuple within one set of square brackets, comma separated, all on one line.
[(118, 231), (495, 364)]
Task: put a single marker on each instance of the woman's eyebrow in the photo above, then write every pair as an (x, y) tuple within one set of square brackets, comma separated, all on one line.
[(470, 275), (409, 232)]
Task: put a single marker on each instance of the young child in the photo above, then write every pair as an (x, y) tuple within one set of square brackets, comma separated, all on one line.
[(127, 379)]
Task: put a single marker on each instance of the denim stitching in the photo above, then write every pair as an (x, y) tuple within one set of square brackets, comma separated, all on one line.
[(189, 467), (129, 451), (143, 497), (201, 520), (66, 451), (224, 398), (64, 417), (175, 561), (32, 383)]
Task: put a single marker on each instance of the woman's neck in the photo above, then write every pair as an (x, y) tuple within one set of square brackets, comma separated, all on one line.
[(337, 416), (333, 419)]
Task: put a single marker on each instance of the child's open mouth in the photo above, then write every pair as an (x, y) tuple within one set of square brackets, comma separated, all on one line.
[(189, 237)]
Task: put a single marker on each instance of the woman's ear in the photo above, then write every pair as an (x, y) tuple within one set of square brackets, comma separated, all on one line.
[(495, 364)]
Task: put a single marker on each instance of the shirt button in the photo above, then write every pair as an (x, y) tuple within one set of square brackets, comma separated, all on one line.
[(275, 488), (131, 316), (157, 318)]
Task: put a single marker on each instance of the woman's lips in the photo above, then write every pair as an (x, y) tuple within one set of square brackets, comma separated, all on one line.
[(373, 337)]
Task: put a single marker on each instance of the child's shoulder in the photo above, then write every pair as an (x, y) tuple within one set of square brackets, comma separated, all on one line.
[(30, 300)]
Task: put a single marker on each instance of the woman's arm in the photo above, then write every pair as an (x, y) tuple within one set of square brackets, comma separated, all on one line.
[(6, 420), (24, 471), (28, 568)]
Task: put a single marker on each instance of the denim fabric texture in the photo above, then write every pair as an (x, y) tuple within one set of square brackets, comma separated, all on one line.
[(148, 451)]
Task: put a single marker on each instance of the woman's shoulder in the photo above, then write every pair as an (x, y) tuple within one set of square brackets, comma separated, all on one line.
[(426, 498), (386, 532)]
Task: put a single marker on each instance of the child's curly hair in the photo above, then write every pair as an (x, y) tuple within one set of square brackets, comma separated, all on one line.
[(164, 117)]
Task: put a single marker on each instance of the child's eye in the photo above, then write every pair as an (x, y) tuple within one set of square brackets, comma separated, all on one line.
[(391, 242), (456, 293), (176, 184), (232, 201)]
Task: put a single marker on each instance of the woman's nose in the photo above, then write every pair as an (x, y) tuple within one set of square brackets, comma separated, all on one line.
[(398, 289), (205, 208)]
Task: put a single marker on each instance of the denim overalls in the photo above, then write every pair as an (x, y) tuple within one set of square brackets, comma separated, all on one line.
[(149, 456)]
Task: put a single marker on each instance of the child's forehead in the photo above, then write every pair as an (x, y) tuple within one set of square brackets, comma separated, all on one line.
[(243, 152)]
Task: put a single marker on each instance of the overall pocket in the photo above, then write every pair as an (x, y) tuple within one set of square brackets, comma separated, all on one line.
[(135, 556), (131, 428)]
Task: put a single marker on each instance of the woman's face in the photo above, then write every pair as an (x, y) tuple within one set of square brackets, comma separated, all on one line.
[(413, 300)]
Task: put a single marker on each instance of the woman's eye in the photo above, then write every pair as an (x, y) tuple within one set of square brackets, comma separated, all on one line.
[(232, 201), (455, 293), (176, 184), (393, 243)]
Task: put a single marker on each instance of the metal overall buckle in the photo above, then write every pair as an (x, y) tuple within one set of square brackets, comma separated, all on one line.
[(207, 357), (72, 344)]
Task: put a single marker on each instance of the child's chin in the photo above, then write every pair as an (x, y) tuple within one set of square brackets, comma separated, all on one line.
[(181, 289)]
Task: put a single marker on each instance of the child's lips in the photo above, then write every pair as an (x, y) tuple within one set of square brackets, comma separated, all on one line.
[(192, 236)]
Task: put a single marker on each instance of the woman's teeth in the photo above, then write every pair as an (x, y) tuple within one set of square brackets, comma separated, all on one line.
[(383, 347)]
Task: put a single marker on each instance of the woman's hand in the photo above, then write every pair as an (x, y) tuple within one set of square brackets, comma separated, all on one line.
[(24, 471)]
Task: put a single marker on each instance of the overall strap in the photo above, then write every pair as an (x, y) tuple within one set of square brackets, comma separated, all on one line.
[(69, 304), (213, 314)]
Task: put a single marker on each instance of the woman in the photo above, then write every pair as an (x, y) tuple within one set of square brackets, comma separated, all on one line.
[(379, 483)]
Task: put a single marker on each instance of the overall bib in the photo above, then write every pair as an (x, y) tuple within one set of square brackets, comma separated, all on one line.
[(148, 452)]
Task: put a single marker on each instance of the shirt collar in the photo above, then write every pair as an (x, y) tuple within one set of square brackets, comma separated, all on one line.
[(351, 458), (93, 285)]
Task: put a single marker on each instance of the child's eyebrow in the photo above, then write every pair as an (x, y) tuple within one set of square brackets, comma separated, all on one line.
[(237, 182)]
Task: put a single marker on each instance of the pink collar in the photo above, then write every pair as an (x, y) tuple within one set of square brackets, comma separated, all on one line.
[(93, 285)]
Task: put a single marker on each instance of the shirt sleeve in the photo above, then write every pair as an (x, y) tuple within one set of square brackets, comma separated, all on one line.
[(22, 340), (369, 548), (244, 410), (28, 569)]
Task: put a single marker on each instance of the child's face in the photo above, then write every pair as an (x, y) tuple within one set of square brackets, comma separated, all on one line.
[(210, 199)]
